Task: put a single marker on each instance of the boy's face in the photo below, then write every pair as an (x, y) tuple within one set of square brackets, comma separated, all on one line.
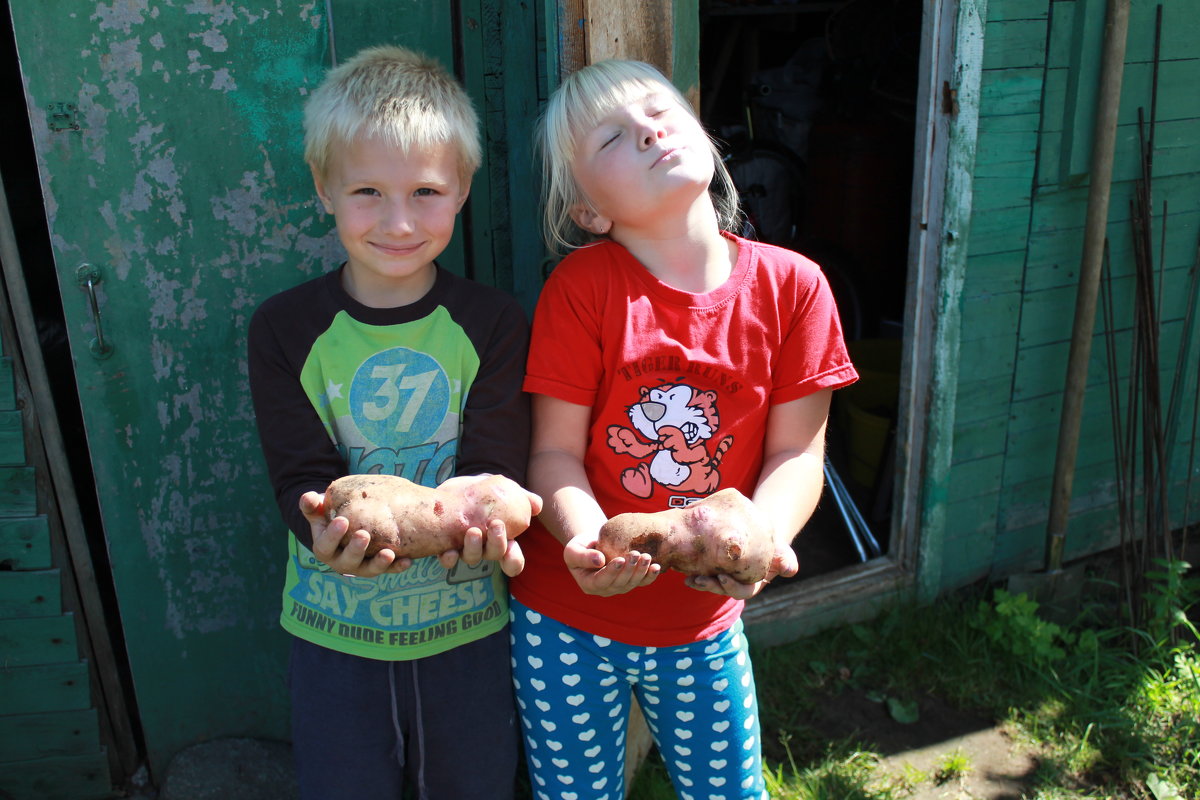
[(395, 214)]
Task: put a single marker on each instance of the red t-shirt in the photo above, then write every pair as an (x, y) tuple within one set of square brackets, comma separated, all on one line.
[(679, 386)]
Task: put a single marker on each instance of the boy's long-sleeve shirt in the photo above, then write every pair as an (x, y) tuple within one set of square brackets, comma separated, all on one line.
[(425, 391)]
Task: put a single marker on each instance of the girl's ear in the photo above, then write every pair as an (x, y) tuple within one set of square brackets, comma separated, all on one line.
[(590, 220)]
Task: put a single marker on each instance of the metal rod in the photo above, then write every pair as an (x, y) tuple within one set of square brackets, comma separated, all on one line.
[(861, 526), (835, 491)]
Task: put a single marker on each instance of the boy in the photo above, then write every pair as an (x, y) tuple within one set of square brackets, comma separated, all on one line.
[(399, 669)]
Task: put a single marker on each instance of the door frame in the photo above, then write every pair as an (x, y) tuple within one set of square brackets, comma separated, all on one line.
[(947, 114)]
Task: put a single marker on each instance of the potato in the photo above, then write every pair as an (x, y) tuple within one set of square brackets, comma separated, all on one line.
[(725, 533), (416, 521)]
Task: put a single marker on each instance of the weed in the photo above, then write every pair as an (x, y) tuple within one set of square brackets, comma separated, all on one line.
[(952, 767), (1108, 720)]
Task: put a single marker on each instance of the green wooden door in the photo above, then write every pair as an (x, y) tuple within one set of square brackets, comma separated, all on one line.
[(169, 143)]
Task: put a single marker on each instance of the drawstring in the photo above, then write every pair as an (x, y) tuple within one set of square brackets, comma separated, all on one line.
[(420, 735), (421, 792), (396, 715)]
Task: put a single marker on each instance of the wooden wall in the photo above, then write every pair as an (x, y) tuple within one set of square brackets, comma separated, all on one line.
[(50, 726), (1025, 241)]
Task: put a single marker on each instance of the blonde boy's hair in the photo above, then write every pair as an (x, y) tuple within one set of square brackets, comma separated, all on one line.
[(575, 108), (394, 94)]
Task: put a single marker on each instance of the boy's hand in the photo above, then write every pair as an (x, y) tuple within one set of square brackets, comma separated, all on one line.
[(783, 563), (344, 550), (618, 576), (492, 545)]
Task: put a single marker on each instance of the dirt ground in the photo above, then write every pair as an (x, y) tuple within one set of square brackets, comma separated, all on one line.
[(995, 766)]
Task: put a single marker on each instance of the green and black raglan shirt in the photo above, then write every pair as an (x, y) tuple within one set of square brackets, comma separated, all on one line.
[(425, 391)]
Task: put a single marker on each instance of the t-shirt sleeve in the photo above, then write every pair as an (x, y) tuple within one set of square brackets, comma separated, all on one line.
[(813, 355), (299, 454), (564, 349), (495, 429)]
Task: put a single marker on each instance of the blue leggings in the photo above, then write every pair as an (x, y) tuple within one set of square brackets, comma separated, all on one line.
[(573, 695)]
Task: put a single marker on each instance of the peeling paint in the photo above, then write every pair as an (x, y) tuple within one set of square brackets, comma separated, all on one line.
[(185, 185), (121, 15)]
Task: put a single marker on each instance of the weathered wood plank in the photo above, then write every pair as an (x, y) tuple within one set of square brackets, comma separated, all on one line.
[(1031, 447), (966, 560), (1174, 154), (12, 438), (1066, 208), (994, 273), (1015, 43), (1054, 254), (18, 492), (1179, 33), (76, 777), (30, 594), (1012, 91), (1176, 92), (1047, 314), (47, 687), (968, 477), (999, 231), (37, 640), (980, 359), (999, 10), (992, 319), (1077, 112), (1180, 30), (1016, 148), (1036, 365), (998, 124), (24, 543), (1062, 27), (997, 192), (58, 733), (8, 394), (973, 519), (637, 29), (980, 438), (981, 399)]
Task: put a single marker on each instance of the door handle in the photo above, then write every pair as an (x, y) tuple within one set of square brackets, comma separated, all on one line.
[(88, 276)]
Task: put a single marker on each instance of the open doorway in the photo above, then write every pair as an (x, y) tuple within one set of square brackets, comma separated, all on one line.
[(815, 103)]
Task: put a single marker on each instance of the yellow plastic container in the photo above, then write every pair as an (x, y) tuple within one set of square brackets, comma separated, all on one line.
[(867, 409)]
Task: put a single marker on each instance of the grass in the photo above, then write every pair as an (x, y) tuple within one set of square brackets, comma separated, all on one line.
[(1112, 712)]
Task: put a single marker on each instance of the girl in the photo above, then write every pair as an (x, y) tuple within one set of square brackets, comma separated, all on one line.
[(670, 358)]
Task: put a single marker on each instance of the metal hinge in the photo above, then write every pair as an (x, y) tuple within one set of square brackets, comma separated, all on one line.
[(949, 99), (62, 117)]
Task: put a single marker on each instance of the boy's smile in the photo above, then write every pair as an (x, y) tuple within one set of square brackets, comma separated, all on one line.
[(395, 214)]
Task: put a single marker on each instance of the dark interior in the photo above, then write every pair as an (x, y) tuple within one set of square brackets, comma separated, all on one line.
[(814, 104)]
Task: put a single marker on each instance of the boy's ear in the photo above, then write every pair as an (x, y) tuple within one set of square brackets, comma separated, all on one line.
[(590, 220), (319, 184), (462, 198)]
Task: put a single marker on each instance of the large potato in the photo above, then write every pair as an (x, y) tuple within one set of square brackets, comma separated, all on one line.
[(725, 533), (416, 521)]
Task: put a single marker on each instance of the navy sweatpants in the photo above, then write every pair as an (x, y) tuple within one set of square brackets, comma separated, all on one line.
[(437, 728)]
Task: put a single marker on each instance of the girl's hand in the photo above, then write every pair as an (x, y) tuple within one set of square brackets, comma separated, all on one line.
[(784, 563), (342, 550), (618, 576)]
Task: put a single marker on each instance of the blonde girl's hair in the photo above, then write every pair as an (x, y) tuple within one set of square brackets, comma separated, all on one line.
[(576, 107), (398, 96)]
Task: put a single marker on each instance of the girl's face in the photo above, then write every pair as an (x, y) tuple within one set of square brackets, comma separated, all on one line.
[(645, 160)]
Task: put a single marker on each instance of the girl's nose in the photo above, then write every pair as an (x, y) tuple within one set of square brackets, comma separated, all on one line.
[(651, 132)]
